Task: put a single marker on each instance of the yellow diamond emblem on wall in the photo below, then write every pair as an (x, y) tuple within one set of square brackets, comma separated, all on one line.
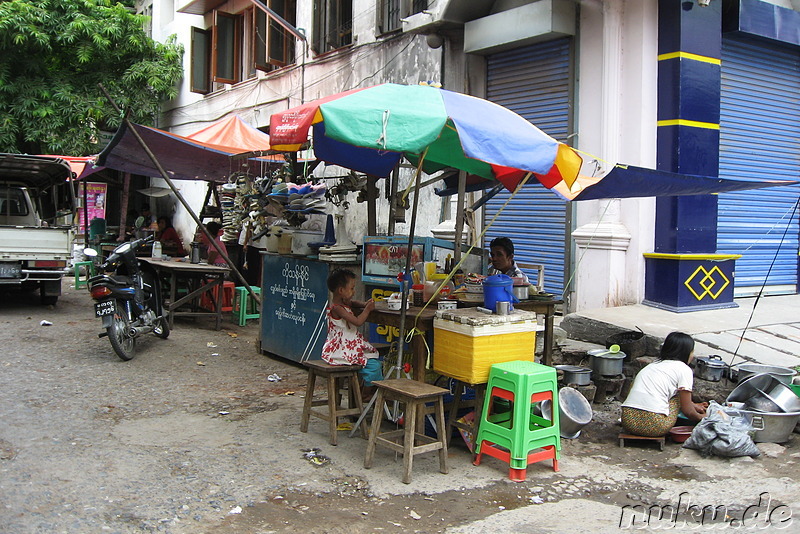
[(703, 282)]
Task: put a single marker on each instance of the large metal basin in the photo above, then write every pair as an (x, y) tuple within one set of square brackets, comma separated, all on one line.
[(746, 370), (767, 393), (574, 412), (771, 427)]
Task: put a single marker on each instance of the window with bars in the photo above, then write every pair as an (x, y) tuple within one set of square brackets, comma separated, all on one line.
[(333, 25), (391, 12)]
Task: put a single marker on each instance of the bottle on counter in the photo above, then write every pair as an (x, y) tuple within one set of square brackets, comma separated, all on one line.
[(417, 295)]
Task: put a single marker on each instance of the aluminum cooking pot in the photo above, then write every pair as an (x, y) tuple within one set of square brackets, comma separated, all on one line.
[(710, 368), (607, 362), (579, 376)]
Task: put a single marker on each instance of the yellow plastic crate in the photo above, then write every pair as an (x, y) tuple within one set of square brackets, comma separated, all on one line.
[(466, 352)]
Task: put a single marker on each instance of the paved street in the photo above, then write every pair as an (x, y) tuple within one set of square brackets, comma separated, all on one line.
[(191, 437)]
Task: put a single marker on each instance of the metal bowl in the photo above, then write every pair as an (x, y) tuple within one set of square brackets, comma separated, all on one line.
[(761, 402), (771, 427)]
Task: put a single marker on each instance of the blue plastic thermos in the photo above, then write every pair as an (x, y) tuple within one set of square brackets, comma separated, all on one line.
[(498, 288)]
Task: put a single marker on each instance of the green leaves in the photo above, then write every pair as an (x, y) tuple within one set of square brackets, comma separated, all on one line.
[(53, 55)]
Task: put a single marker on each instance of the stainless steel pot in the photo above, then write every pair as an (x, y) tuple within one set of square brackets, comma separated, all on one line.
[(521, 292), (579, 376), (746, 370), (710, 368), (607, 362)]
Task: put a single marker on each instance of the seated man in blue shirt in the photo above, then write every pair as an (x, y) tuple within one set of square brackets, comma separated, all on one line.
[(501, 255)]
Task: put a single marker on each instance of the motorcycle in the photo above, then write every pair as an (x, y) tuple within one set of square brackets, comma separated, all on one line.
[(129, 300)]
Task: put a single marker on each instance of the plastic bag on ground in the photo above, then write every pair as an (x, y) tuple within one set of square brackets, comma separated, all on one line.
[(722, 433)]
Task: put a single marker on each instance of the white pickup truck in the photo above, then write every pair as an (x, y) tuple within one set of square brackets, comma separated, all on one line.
[(34, 250)]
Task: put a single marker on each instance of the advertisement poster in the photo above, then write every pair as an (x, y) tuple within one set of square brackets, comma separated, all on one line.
[(95, 200)]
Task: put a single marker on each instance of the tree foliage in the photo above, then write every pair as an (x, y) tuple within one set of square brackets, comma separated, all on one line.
[(53, 55)]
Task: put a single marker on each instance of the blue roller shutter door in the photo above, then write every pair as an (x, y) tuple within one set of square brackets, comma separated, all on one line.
[(760, 139), (534, 81)]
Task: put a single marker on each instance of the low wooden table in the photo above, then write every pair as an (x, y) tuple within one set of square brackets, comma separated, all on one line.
[(177, 271)]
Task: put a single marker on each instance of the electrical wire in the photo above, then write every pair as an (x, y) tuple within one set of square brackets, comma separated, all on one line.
[(764, 285)]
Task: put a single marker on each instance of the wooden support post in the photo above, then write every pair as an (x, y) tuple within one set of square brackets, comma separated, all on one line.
[(462, 192), (372, 208)]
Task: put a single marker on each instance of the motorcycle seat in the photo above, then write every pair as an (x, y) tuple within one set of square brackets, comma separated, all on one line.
[(111, 280)]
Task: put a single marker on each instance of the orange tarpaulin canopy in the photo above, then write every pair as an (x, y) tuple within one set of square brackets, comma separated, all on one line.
[(202, 155)]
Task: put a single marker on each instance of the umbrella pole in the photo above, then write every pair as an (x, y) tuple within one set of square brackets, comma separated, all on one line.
[(418, 374), (165, 176)]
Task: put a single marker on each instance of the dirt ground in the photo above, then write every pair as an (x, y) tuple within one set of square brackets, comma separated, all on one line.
[(191, 436)]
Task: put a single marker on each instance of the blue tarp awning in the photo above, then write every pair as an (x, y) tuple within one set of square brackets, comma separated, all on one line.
[(628, 181)]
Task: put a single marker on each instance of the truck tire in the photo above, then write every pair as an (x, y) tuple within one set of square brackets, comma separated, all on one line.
[(47, 300), (49, 292)]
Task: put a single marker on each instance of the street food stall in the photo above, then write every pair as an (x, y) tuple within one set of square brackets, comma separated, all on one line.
[(437, 131)]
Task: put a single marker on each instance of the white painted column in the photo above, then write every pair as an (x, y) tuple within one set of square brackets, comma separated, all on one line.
[(602, 242)]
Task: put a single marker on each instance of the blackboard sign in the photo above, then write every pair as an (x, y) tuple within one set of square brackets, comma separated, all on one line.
[(295, 295)]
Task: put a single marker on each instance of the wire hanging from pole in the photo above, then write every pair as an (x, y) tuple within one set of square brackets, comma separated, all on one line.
[(761, 291)]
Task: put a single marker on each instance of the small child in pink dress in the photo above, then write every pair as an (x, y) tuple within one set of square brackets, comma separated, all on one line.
[(345, 344)]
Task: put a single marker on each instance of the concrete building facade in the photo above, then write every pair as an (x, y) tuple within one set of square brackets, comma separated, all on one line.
[(640, 82)]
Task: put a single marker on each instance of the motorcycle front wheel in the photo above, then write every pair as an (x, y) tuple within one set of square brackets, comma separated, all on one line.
[(123, 344)]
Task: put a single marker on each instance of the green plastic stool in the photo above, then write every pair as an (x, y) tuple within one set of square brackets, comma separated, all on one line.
[(242, 303), (510, 436), (89, 273)]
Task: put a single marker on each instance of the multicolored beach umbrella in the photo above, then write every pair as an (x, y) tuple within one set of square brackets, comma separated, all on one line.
[(371, 129)]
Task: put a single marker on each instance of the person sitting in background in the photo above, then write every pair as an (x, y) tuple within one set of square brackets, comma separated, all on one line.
[(214, 258), (501, 254), (662, 389), (171, 243), (148, 221)]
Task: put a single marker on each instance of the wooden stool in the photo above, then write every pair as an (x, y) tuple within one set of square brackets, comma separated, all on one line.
[(414, 395), (333, 373), (658, 439), (458, 403)]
